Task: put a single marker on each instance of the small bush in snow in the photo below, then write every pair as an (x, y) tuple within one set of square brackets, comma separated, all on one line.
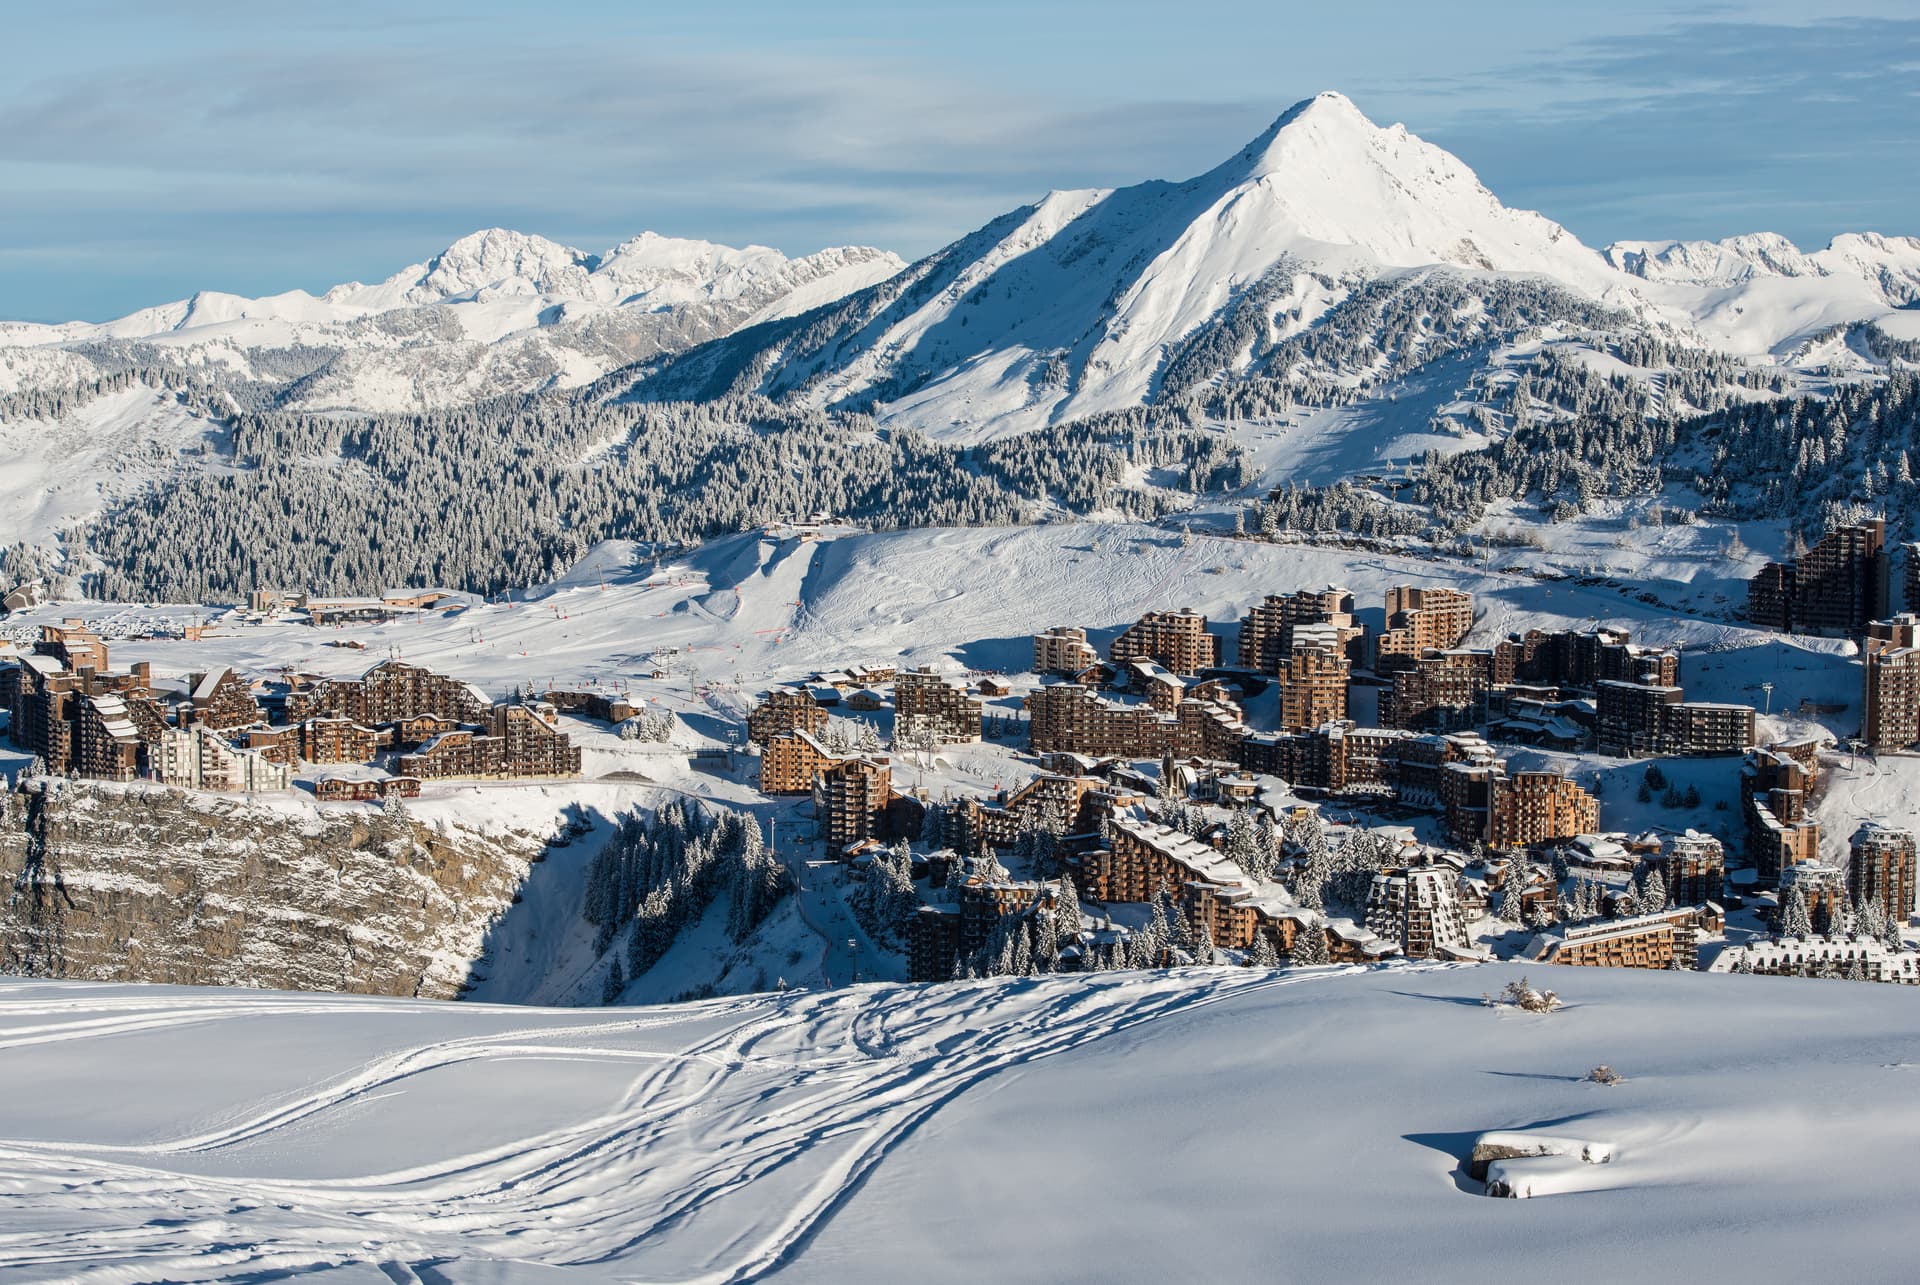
[(1521, 995), (1604, 1074)]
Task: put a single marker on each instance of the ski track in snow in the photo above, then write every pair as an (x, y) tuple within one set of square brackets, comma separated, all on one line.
[(721, 1157)]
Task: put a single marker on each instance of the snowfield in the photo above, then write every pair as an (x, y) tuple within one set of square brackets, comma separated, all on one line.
[(1218, 1124)]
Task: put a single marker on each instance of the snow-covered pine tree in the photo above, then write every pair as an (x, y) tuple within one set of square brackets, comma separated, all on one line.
[(1159, 930), (1309, 944), (1315, 866), (1513, 888), (1653, 892), (1243, 844), (1794, 918), (1066, 910), (1262, 953), (1203, 949)]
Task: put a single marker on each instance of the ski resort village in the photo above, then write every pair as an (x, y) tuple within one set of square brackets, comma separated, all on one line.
[(1296, 723), (1430, 775)]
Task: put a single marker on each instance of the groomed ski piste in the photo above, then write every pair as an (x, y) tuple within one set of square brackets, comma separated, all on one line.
[(1204, 1124)]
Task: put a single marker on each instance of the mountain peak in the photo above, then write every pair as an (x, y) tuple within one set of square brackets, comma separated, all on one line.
[(1327, 105), (1327, 121), (501, 259), (1326, 181)]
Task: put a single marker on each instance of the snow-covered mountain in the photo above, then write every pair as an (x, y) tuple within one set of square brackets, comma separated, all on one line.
[(1083, 301), (495, 312), (1889, 263)]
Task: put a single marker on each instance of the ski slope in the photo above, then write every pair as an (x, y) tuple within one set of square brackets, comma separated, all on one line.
[(1218, 1124)]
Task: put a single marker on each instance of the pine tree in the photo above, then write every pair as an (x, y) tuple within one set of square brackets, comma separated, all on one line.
[(614, 984), (1513, 888), (1653, 892), (1262, 954), (1835, 928), (1160, 926), (1243, 846), (1309, 944), (1794, 919), (1315, 868), (1046, 944), (1066, 911), (1142, 952)]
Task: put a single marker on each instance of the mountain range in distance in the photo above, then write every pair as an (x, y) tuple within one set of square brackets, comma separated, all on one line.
[(1069, 306)]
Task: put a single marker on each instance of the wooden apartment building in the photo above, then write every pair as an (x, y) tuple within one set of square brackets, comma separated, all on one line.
[(1177, 639), (1836, 587), (1063, 650), (1529, 808), (515, 743), (388, 692), (1644, 941), (222, 700), (784, 710), (1421, 619), (1890, 680), (1266, 637), (1774, 786), (1880, 869), (923, 699)]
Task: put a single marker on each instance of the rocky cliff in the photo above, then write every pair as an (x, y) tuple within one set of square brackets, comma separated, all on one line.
[(142, 883)]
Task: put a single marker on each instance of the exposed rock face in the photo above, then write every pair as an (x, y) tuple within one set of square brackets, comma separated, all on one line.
[(143, 883), (1516, 1165)]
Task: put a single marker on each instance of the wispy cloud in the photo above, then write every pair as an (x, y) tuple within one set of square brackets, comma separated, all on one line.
[(1712, 128), (372, 134)]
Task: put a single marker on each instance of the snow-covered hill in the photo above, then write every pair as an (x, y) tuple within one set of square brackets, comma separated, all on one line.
[(1219, 1124), (1086, 300), (495, 312)]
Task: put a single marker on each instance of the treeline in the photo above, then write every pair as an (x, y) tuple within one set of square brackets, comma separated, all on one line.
[(510, 493), (191, 390)]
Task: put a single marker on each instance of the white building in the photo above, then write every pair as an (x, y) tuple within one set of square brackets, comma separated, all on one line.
[(199, 759)]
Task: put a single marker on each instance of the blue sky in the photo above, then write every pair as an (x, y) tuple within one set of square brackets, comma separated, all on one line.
[(149, 150)]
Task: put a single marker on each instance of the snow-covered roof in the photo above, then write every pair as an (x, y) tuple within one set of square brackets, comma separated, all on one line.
[(114, 718)]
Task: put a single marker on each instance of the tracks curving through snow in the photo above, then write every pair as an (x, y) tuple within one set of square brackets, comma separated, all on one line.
[(725, 1135)]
